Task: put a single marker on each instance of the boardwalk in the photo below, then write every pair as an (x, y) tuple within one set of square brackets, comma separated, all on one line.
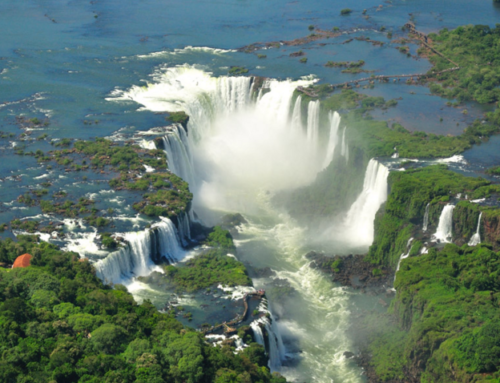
[(239, 318), (385, 78)]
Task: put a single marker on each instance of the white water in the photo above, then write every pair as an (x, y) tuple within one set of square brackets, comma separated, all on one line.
[(179, 158), (313, 124), (358, 225), (184, 221), (296, 121), (257, 332), (444, 230), (169, 241), (275, 350), (344, 149), (334, 119), (135, 259), (476, 237), (236, 146), (403, 256), (243, 152), (426, 218)]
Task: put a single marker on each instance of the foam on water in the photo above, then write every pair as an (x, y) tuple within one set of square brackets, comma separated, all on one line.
[(445, 227), (357, 229), (188, 49), (245, 148), (476, 237), (458, 159), (321, 324)]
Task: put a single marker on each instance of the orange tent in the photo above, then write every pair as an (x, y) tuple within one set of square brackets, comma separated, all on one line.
[(22, 261)]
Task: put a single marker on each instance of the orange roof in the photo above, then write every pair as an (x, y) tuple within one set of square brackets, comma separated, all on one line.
[(22, 261)]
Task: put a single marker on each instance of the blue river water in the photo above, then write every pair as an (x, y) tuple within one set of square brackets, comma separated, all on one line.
[(61, 60)]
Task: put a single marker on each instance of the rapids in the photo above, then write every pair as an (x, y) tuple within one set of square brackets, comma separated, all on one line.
[(242, 146)]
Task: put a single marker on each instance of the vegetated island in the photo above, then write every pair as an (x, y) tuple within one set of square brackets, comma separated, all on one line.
[(442, 325), (96, 332), (61, 323), (157, 192)]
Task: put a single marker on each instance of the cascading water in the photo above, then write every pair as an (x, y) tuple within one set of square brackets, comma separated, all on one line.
[(169, 241), (243, 152), (403, 256), (476, 237), (334, 119), (313, 123), (296, 121), (359, 220), (444, 230), (276, 350), (136, 258), (257, 332), (132, 260), (426, 218), (344, 149), (180, 161), (184, 228)]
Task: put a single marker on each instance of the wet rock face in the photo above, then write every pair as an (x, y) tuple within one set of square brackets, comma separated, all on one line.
[(491, 227), (465, 219), (351, 270), (231, 222), (264, 272)]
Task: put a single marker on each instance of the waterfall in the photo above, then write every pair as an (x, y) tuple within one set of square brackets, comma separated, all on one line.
[(445, 226), (235, 146), (476, 238), (276, 349), (313, 124), (403, 256), (297, 115), (360, 217), (136, 259), (257, 333), (344, 149), (169, 242), (184, 228), (426, 218), (180, 160), (334, 119)]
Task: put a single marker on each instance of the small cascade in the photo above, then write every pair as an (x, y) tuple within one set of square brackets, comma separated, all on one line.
[(136, 259), (396, 154), (297, 115), (132, 260), (403, 256), (180, 160), (257, 333), (426, 218), (184, 228), (360, 217), (344, 149), (274, 351), (275, 348), (313, 124), (275, 344), (444, 230), (476, 238), (334, 118), (279, 340), (169, 246)]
